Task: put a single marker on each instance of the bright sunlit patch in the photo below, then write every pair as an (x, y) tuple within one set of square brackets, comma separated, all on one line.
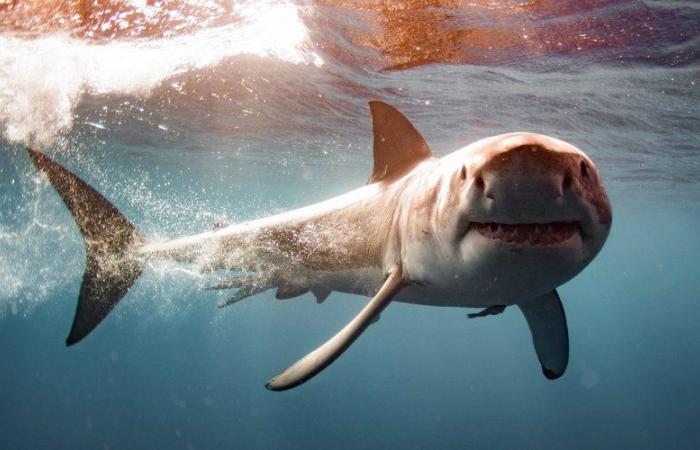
[(276, 29)]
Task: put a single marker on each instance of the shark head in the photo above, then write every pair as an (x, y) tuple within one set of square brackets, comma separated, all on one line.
[(507, 217), (523, 211)]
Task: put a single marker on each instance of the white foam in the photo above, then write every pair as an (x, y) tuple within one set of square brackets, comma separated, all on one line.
[(41, 79)]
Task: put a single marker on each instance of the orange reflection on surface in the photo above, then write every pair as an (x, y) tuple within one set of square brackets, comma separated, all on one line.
[(417, 32), (97, 19)]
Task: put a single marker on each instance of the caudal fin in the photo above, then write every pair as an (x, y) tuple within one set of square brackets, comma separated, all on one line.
[(110, 239)]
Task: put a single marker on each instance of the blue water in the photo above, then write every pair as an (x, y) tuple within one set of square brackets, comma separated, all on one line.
[(169, 370)]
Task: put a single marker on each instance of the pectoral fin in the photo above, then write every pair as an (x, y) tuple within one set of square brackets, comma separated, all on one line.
[(319, 359), (545, 316)]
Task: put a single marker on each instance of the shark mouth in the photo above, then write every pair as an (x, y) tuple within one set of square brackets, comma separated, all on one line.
[(551, 233)]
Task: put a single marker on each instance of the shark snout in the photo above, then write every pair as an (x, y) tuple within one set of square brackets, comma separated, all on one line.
[(527, 175)]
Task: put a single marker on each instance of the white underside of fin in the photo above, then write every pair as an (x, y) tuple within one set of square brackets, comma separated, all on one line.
[(317, 360)]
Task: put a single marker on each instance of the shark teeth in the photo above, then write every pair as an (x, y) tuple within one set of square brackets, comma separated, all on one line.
[(551, 233)]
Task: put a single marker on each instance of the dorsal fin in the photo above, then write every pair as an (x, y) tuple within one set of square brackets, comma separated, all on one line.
[(398, 146)]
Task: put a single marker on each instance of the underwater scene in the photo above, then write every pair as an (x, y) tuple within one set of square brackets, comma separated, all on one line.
[(194, 194)]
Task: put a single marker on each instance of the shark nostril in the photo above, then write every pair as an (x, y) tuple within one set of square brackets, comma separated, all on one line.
[(566, 183), (481, 185)]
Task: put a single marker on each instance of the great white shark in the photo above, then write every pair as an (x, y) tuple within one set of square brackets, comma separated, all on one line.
[(503, 221)]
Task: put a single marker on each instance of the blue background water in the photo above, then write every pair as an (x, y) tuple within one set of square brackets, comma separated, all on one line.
[(168, 369)]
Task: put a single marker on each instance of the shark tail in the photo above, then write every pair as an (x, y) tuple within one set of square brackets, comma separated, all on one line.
[(110, 240)]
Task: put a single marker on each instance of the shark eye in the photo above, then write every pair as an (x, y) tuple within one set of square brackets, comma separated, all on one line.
[(463, 173)]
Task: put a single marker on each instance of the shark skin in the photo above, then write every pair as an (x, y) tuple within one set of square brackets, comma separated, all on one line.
[(501, 222)]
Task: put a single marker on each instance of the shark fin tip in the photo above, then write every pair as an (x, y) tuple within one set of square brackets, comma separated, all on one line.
[(550, 374)]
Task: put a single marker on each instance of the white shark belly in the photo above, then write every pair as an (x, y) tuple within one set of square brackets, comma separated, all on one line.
[(359, 281), (366, 281)]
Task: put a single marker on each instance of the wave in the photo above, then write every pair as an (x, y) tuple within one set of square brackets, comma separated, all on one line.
[(75, 62), (42, 77)]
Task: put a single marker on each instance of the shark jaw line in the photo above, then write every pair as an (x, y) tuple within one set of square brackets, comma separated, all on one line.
[(534, 234)]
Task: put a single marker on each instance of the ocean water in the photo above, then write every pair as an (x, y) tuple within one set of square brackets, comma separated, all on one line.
[(188, 113)]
